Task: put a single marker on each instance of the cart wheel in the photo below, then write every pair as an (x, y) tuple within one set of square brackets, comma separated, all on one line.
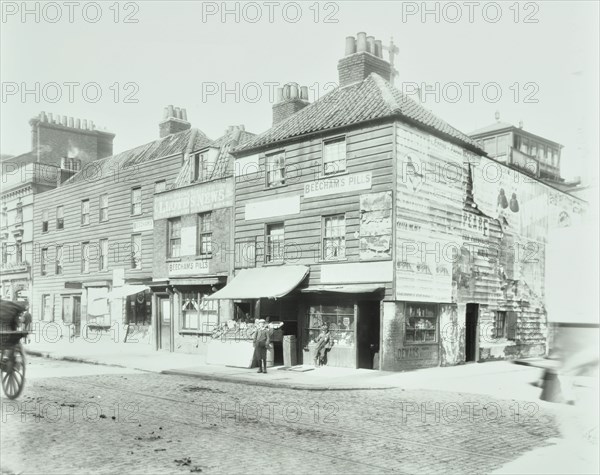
[(13, 371)]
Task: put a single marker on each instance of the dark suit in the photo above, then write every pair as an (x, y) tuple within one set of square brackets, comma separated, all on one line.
[(262, 339)]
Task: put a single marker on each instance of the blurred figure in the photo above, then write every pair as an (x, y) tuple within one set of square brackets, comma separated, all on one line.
[(26, 321)]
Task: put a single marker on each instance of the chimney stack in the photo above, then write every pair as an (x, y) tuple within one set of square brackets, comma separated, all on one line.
[(364, 55), (174, 121), (290, 99)]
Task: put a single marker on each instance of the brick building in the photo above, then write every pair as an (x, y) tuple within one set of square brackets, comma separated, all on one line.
[(93, 235), (60, 146), (366, 211)]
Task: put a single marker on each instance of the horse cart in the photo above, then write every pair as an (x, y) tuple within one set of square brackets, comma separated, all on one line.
[(12, 355)]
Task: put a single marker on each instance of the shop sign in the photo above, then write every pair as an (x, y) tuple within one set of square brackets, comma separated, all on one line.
[(339, 184), (188, 268), (193, 199), (142, 225), (476, 224)]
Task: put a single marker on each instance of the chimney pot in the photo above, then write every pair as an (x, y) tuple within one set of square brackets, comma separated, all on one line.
[(378, 49), (165, 113), (43, 117), (371, 45), (71, 122), (50, 119), (92, 127), (177, 113), (350, 45), (286, 92), (304, 93), (85, 126), (520, 124), (78, 123), (170, 111), (279, 96), (293, 91), (183, 114), (64, 120), (361, 42)]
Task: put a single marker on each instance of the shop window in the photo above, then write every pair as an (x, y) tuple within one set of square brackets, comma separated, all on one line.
[(274, 243), (103, 207), (174, 232), (59, 260), (500, 324), (60, 217), (139, 308), (421, 323), (334, 237), (275, 169), (136, 251), (136, 201), (340, 319), (85, 212), (334, 156), (45, 221), (44, 261), (46, 308), (204, 234), (197, 314)]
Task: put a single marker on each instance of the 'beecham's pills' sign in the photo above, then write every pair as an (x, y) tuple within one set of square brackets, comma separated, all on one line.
[(339, 184)]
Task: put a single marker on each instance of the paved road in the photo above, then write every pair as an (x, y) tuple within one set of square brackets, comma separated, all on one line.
[(79, 418)]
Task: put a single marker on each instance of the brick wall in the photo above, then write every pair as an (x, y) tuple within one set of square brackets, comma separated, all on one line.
[(356, 67)]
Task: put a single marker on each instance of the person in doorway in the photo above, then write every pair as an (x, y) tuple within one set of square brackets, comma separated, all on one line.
[(262, 341), (26, 320), (324, 343)]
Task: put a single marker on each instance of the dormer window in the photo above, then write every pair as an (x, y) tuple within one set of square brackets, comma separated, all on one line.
[(200, 167)]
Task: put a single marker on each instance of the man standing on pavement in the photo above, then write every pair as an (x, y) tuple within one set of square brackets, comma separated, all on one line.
[(26, 319), (262, 341)]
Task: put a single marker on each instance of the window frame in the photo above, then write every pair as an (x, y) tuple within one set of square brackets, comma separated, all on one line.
[(272, 183), (60, 217), (170, 238), (135, 261), (268, 255), (324, 144), (202, 233), (503, 333), (135, 203), (85, 268), (199, 166), (324, 219), (102, 256), (435, 317), (44, 261), (198, 298), (45, 220), (83, 215), (101, 208), (58, 260)]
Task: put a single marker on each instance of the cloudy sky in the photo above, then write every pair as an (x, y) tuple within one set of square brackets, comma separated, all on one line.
[(535, 62)]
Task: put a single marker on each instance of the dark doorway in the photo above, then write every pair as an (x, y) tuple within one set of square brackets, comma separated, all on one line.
[(164, 323), (367, 333), (471, 332), (77, 314)]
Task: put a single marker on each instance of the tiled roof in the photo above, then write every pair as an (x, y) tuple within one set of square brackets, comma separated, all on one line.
[(373, 98), (223, 163), (192, 139)]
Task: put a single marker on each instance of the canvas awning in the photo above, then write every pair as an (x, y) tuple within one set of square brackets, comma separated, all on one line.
[(262, 282), (344, 288), (126, 290)]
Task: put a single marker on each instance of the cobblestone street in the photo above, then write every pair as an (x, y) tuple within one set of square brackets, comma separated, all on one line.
[(79, 418)]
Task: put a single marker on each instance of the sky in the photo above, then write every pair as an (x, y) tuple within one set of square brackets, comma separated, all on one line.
[(535, 62)]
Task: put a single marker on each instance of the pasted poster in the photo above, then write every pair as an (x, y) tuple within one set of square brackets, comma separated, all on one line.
[(428, 215), (376, 225)]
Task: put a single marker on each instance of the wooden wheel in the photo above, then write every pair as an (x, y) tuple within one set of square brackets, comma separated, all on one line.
[(13, 371)]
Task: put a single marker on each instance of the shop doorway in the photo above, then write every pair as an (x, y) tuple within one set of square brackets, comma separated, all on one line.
[(164, 324), (472, 332), (367, 333), (77, 314)]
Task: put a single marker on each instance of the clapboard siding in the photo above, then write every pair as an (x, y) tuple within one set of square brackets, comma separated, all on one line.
[(368, 149), (117, 229)]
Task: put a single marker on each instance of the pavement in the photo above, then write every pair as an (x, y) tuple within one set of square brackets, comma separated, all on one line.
[(497, 379)]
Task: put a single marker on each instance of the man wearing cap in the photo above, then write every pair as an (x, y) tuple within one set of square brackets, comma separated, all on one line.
[(262, 341)]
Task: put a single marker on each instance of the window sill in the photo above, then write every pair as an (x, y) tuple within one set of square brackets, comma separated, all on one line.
[(274, 264), (324, 176), (173, 259), (330, 261), (272, 187), (194, 332), (204, 257)]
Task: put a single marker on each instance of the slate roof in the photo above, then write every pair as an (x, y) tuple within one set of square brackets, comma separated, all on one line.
[(188, 140), (373, 98)]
